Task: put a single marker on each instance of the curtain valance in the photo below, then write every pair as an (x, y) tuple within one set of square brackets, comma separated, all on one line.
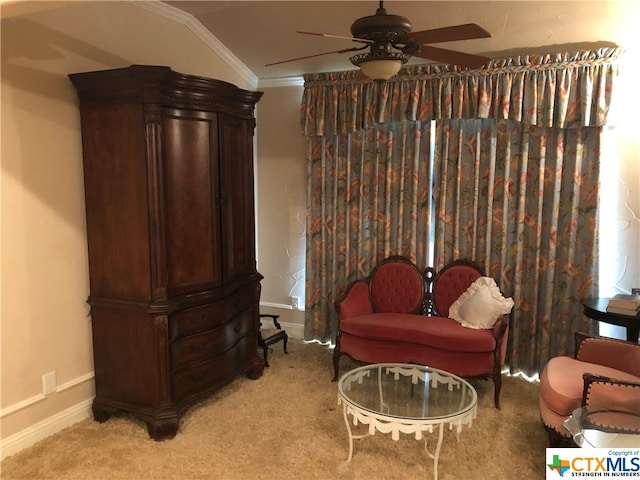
[(566, 90)]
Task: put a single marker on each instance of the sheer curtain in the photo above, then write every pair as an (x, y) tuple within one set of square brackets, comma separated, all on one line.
[(515, 183)]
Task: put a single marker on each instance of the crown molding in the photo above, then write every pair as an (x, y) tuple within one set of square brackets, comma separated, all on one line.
[(281, 82), (189, 21)]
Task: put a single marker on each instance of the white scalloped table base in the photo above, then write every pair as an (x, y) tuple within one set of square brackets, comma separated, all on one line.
[(382, 423)]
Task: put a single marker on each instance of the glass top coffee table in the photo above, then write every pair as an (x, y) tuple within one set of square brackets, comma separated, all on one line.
[(604, 428), (401, 398)]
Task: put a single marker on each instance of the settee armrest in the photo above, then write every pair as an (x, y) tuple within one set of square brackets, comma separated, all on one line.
[(608, 352), (606, 394), (500, 326), (356, 301)]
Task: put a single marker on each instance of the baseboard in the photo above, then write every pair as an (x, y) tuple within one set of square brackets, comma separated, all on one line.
[(45, 428), (294, 330)]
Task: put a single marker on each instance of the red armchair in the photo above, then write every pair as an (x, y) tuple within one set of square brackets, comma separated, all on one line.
[(398, 314), (604, 374)]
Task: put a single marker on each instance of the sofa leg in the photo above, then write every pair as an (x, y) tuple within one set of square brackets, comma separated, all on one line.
[(336, 358), (336, 364), (497, 384)]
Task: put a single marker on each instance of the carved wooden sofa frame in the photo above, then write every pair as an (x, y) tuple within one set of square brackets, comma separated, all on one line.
[(399, 314)]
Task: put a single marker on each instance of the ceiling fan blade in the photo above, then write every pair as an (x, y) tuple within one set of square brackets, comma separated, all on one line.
[(361, 40), (467, 31), (344, 50), (451, 57)]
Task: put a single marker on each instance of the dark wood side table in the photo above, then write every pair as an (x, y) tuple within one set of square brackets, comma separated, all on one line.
[(596, 309)]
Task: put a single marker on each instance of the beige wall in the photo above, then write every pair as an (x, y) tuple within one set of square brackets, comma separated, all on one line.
[(620, 173), (44, 317), (45, 323), (281, 172)]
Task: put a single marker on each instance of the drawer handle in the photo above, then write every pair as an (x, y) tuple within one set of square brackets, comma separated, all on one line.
[(199, 348)]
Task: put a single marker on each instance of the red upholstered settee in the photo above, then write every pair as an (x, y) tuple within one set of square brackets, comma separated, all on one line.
[(400, 314)]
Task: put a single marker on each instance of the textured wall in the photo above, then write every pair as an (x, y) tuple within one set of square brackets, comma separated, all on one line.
[(281, 173), (620, 190)]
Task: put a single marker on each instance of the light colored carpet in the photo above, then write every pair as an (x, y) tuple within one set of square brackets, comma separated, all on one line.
[(288, 425)]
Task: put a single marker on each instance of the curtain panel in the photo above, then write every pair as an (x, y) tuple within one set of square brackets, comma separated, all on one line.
[(564, 90), (514, 183), (522, 201), (367, 199)]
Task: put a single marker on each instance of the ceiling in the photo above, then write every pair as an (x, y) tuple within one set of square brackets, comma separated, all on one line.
[(261, 32)]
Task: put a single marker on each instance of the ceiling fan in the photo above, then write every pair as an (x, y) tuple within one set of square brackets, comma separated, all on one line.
[(391, 43)]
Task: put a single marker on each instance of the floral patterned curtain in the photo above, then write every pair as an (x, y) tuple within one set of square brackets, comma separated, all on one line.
[(538, 108), (368, 198), (522, 201), (554, 90)]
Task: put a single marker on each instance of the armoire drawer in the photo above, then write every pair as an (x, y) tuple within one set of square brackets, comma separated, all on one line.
[(197, 319), (203, 345), (203, 376), (205, 317)]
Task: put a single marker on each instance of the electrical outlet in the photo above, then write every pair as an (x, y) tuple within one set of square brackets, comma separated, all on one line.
[(295, 303), (49, 383)]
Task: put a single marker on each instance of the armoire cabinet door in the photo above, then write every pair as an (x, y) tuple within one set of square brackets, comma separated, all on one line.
[(236, 170), (191, 192)]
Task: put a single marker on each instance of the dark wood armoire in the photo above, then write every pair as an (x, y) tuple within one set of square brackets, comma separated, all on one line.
[(174, 290)]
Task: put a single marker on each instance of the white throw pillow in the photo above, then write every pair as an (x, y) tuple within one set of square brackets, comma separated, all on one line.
[(481, 305)]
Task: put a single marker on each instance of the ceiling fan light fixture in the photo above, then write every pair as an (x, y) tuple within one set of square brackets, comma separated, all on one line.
[(392, 42), (380, 67)]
